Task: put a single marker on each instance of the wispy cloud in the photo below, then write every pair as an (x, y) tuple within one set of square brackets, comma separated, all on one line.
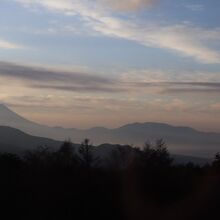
[(42, 78), (170, 75), (192, 87), (171, 82), (80, 88), (128, 5), (145, 82), (179, 87), (185, 39), (195, 7), (38, 74), (9, 45)]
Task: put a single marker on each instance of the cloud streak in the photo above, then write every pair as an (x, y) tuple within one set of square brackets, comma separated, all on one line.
[(128, 5), (81, 88), (179, 87), (192, 87), (184, 39), (47, 75), (195, 7), (48, 79), (59, 80), (9, 45)]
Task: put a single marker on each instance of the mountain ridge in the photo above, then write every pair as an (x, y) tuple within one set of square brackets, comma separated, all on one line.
[(15, 141), (180, 139), (18, 142), (4, 107)]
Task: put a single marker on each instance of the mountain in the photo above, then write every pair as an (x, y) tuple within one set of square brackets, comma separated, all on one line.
[(180, 140), (15, 141), (11, 119)]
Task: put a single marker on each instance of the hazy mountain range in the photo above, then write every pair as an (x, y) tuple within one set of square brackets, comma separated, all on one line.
[(15, 141), (180, 140)]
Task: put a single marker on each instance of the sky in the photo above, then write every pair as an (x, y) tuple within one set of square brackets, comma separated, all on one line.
[(86, 63)]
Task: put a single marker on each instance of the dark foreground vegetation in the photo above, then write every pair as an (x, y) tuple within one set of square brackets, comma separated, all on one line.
[(129, 184)]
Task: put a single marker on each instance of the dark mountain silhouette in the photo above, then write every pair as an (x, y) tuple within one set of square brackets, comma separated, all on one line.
[(180, 140), (15, 141)]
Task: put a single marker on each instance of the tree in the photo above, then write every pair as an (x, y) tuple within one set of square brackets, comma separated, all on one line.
[(87, 157), (156, 154), (66, 156), (39, 157), (121, 157), (216, 162), (162, 153)]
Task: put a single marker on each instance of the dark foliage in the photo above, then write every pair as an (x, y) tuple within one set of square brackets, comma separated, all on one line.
[(134, 184)]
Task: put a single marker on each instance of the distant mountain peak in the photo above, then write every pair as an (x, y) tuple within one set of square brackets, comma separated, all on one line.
[(4, 109), (3, 106), (146, 124), (8, 116), (155, 125)]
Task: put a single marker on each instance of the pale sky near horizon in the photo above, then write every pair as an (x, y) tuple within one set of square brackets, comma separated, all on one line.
[(85, 63)]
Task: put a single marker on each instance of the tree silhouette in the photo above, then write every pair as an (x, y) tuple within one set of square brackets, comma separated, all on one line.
[(216, 162), (87, 158), (156, 154), (66, 184), (121, 157), (66, 155), (39, 157)]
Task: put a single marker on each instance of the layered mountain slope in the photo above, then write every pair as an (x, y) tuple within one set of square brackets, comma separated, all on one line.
[(15, 141), (180, 140)]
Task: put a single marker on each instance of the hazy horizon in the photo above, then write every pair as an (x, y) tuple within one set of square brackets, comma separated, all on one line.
[(83, 63), (7, 110)]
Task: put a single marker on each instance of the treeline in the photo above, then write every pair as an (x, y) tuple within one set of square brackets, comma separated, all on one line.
[(131, 183)]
